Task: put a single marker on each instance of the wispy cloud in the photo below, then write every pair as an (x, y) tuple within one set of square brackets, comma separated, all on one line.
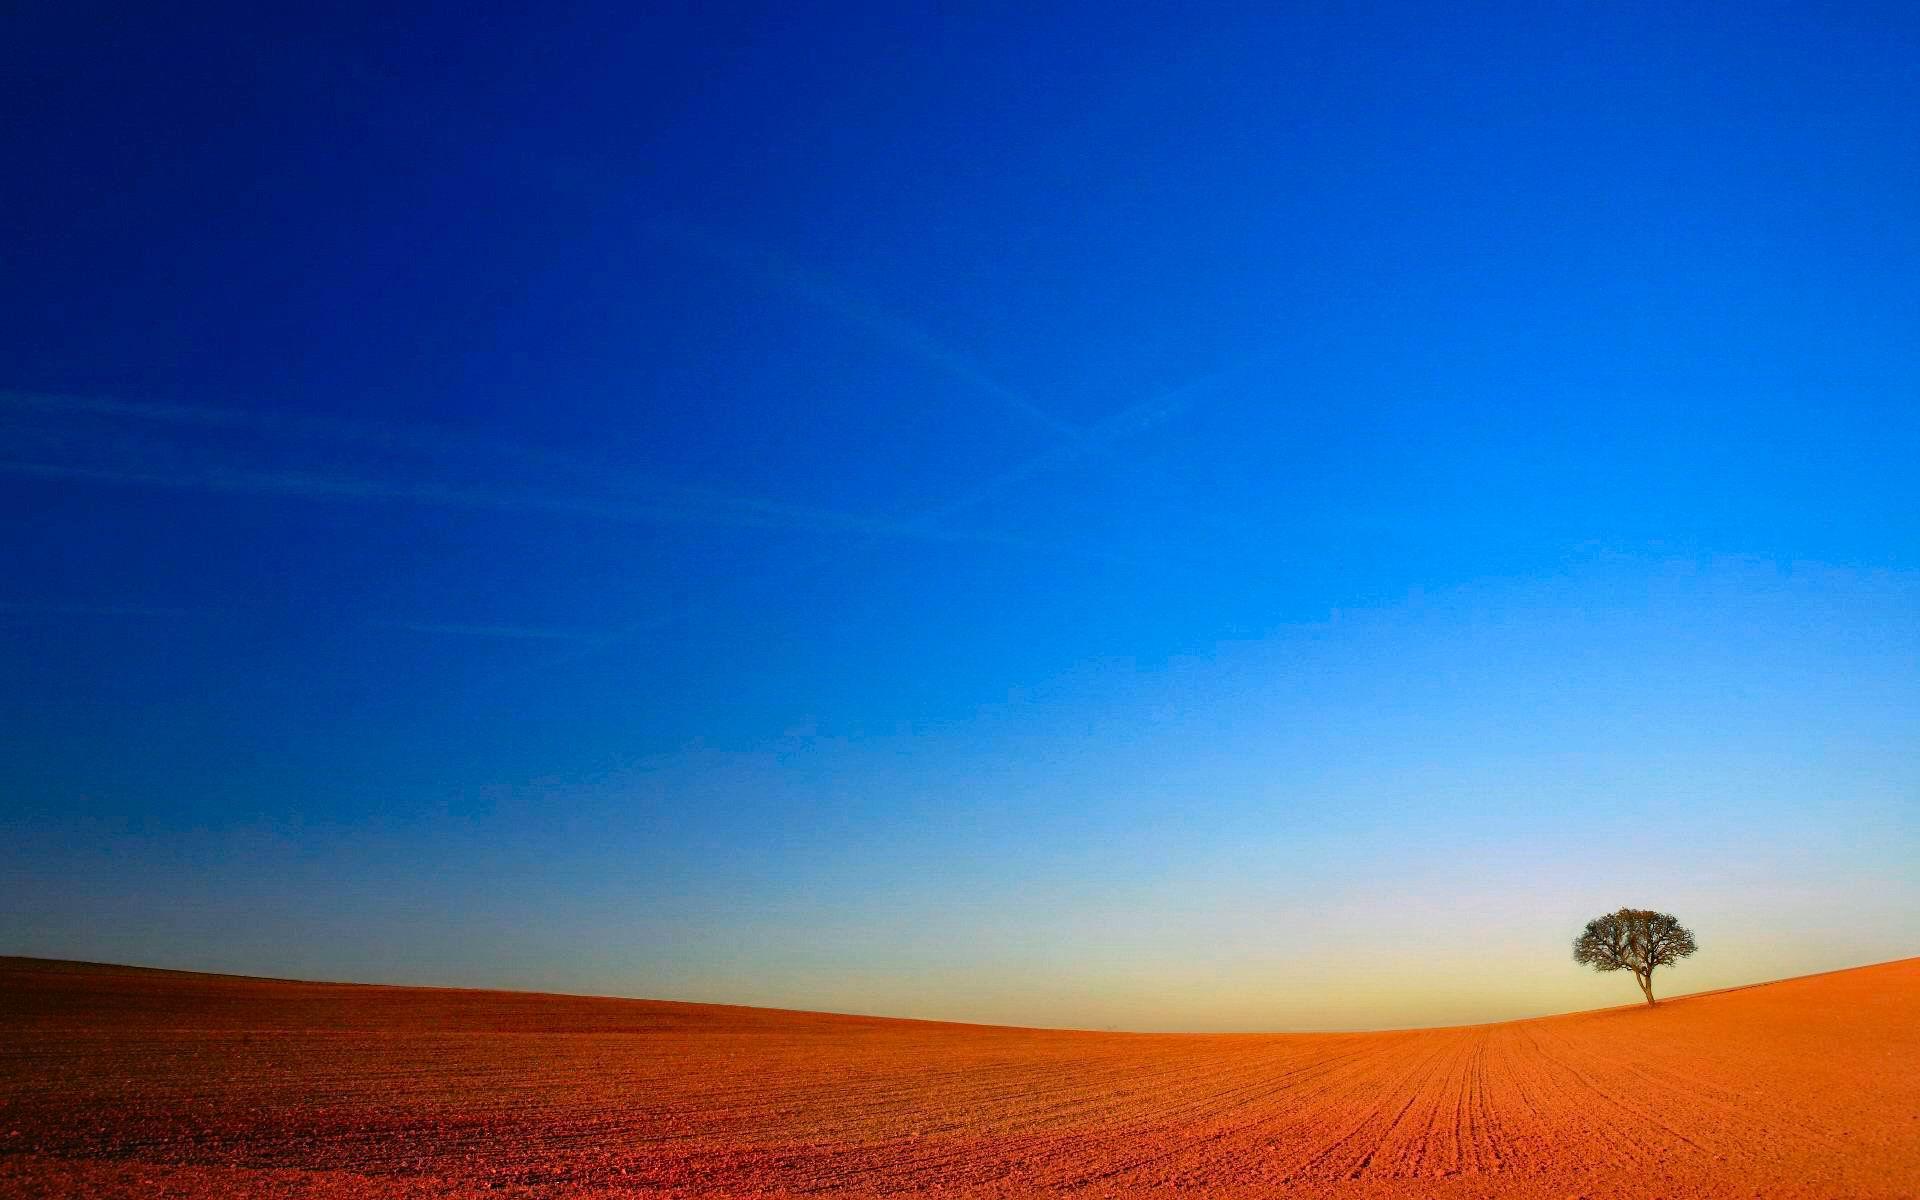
[(1131, 421), (773, 271), (449, 454), (308, 485), (456, 471), (97, 441), (1075, 442), (430, 444)]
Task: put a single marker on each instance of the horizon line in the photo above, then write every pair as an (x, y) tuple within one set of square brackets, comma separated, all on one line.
[(15, 959)]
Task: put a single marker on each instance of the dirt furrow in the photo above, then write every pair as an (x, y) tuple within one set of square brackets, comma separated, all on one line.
[(119, 1082)]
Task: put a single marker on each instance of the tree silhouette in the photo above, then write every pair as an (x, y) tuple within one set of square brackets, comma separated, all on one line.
[(1634, 939)]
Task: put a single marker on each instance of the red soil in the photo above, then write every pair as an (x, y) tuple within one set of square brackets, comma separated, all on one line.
[(122, 1082)]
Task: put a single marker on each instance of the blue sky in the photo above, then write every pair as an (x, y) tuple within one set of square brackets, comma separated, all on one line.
[(1154, 519)]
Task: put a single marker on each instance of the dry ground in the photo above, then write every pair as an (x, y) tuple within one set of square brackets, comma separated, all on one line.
[(123, 1082)]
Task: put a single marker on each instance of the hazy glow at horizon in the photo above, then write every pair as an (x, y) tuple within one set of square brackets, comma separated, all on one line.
[(1387, 819)]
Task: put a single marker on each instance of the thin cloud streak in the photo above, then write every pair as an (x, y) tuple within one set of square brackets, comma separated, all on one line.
[(1134, 419), (1130, 421), (778, 273), (1078, 442), (696, 507), (308, 485), (678, 505), (436, 443)]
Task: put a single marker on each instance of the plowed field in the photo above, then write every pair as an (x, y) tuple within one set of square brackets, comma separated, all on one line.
[(123, 1082)]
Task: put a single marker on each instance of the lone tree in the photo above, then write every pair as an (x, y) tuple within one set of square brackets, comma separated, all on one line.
[(1636, 940)]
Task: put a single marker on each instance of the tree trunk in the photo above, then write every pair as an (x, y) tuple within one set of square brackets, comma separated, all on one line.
[(1646, 986)]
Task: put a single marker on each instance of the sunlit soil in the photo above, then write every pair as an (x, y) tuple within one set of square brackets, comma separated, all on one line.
[(121, 1082)]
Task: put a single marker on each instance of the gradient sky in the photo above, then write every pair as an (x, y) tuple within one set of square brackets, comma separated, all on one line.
[(1145, 519)]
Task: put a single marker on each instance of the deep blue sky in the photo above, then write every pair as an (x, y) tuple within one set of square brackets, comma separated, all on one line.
[(1082, 517)]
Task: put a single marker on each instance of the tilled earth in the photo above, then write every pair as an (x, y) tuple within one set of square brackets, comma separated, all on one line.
[(124, 1082)]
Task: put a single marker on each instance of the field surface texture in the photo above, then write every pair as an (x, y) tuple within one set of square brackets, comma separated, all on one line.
[(124, 1082)]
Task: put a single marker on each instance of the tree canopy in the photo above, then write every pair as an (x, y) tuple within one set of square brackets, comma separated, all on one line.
[(1634, 939)]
